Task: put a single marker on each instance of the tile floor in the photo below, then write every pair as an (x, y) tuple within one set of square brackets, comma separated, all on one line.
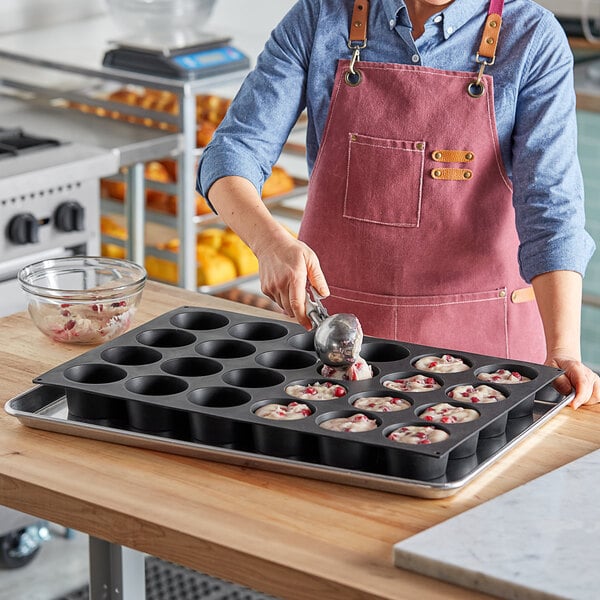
[(60, 566)]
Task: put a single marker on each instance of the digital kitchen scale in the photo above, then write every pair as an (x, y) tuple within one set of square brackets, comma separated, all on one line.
[(211, 56)]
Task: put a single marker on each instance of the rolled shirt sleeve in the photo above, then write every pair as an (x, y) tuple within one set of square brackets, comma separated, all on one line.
[(250, 139), (547, 180)]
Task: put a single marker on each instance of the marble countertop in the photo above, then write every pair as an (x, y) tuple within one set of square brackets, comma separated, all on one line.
[(538, 541)]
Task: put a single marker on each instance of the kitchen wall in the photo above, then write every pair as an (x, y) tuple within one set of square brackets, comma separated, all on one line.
[(17, 15), (589, 156)]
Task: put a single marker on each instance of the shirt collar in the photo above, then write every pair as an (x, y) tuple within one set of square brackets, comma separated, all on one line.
[(455, 16)]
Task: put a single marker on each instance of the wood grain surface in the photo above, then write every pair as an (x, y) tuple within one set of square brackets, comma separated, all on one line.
[(283, 535)]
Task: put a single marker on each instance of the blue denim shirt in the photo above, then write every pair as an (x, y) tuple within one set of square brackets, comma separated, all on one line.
[(534, 106)]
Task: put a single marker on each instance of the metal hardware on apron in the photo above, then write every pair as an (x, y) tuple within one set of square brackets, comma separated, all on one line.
[(430, 258)]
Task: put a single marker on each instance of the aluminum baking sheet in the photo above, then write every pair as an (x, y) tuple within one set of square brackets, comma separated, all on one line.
[(44, 407)]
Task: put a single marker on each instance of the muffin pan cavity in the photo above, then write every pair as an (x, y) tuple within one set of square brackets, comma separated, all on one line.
[(166, 338), (199, 321), (225, 348), (199, 376)]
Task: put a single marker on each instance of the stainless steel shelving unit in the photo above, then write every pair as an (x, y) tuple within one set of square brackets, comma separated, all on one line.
[(34, 64)]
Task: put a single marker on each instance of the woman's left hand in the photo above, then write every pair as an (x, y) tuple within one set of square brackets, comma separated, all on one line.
[(576, 376)]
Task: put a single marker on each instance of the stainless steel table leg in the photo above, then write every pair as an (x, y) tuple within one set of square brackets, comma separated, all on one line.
[(116, 572)]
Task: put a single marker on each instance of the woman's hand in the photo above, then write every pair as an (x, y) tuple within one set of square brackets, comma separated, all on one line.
[(577, 376), (285, 266), (285, 263)]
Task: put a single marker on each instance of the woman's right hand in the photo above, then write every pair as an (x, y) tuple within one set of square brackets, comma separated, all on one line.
[(285, 266)]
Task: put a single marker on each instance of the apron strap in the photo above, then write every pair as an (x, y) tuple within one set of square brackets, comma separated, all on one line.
[(357, 39), (491, 31), (358, 24), (486, 55)]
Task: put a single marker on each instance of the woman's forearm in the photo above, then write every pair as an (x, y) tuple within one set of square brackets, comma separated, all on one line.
[(240, 206), (558, 295)]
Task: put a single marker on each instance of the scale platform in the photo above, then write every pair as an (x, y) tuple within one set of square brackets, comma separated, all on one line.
[(209, 57)]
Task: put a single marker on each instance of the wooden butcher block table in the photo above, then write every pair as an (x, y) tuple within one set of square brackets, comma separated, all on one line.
[(284, 535)]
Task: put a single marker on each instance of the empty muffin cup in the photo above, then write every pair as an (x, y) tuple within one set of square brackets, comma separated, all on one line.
[(149, 418), (258, 331), (286, 359), (166, 338), (131, 355), (253, 378), (225, 348), (383, 351), (191, 366), (199, 320), (304, 341), (95, 407)]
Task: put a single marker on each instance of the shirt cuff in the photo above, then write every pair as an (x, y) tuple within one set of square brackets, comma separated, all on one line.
[(216, 163), (557, 256)]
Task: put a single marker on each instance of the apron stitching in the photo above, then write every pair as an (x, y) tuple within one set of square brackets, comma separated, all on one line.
[(328, 124), (395, 304), (386, 147), (506, 327), (410, 68), (363, 220), (496, 143)]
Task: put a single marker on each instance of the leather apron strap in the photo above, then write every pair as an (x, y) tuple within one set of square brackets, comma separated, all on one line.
[(486, 55)]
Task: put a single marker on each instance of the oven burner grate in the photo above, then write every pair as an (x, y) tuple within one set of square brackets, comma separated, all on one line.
[(13, 142)]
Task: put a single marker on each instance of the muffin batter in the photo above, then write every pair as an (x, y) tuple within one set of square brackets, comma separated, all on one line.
[(481, 393), (417, 435), (353, 424), (416, 383), (446, 413), (316, 391), (283, 412), (441, 364)]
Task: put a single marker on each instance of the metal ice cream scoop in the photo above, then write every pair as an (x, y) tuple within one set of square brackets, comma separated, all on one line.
[(338, 338)]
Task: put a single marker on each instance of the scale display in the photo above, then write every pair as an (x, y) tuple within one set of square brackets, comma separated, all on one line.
[(182, 63)]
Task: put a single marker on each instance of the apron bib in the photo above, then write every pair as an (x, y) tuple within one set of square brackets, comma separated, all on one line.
[(410, 212)]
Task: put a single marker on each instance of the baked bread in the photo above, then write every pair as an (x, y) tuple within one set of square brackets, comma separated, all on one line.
[(205, 132), (244, 259), (279, 182)]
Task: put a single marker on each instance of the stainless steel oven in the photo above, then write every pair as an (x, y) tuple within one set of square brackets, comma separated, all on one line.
[(49, 203)]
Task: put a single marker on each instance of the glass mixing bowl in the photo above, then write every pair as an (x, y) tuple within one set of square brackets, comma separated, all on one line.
[(82, 299), (170, 23)]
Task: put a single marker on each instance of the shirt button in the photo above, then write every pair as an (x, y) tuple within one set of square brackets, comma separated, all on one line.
[(415, 58), (437, 19), (392, 22), (450, 30)]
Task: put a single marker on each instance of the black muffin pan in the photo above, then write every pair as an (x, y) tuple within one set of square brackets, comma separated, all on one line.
[(198, 374)]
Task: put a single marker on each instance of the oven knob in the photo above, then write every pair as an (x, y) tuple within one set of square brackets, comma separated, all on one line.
[(69, 216), (24, 229)]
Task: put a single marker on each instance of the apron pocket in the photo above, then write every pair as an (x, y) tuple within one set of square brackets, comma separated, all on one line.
[(472, 322), (384, 180)]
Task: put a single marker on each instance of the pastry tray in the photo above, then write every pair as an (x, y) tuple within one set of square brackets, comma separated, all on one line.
[(188, 383)]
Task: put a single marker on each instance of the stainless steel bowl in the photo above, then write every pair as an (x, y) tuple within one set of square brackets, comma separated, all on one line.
[(161, 22)]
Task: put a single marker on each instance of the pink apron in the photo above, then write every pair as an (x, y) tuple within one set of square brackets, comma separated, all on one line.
[(410, 209)]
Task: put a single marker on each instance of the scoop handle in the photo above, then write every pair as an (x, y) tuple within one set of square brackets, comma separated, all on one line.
[(313, 311)]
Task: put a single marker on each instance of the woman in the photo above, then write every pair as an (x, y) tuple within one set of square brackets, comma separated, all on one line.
[(434, 127)]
